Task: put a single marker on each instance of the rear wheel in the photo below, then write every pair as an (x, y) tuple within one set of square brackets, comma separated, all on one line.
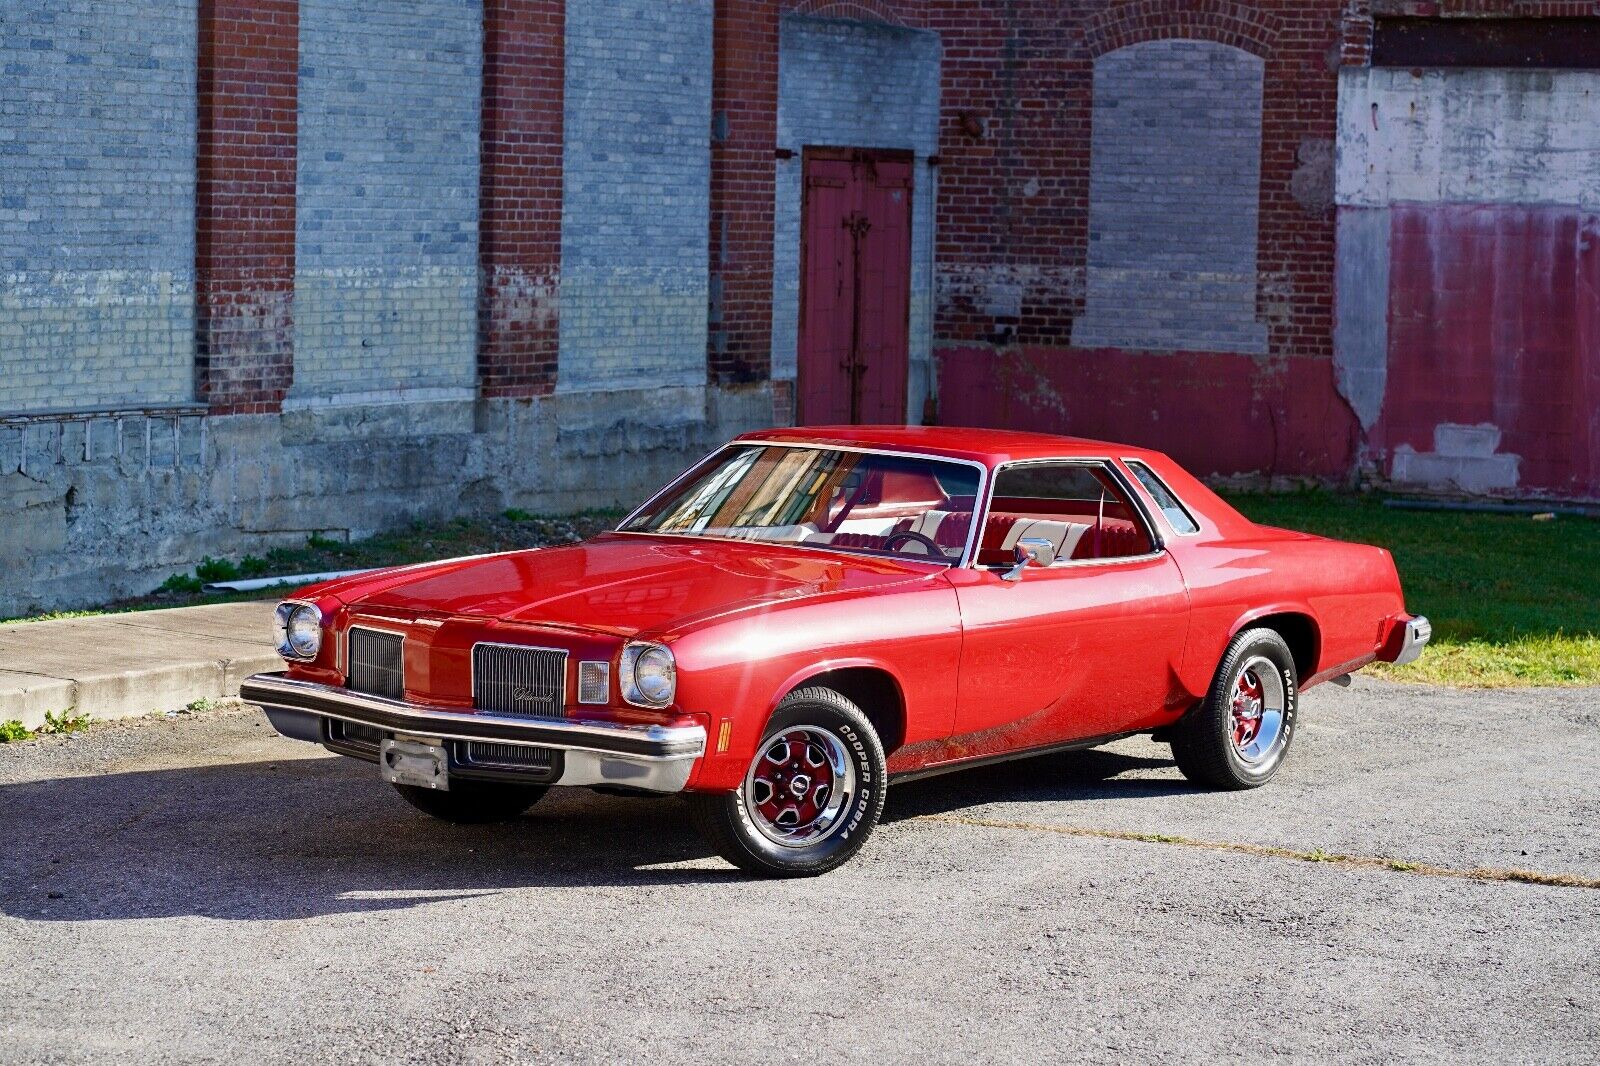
[(809, 798), (1239, 737), (473, 802)]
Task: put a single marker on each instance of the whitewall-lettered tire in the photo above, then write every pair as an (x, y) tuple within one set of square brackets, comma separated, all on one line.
[(809, 798), (1239, 737)]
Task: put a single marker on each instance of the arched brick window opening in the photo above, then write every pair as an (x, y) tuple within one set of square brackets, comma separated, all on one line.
[(1174, 194), (886, 11)]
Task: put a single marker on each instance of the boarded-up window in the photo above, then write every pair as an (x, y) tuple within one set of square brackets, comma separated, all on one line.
[(1174, 188)]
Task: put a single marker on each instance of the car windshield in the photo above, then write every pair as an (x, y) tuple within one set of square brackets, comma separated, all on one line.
[(822, 497)]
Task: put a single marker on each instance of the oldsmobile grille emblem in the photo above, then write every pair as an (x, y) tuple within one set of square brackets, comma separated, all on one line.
[(523, 694)]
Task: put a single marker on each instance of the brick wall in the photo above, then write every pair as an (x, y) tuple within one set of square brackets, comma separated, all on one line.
[(386, 282), (245, 203), (519, 229), (744, 102), (1015, 185), (636, 196), (1174, 186), (97, 180), (854, 85)]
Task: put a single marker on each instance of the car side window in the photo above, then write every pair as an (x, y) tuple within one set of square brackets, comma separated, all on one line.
[(1177, 514), (1080, 507)]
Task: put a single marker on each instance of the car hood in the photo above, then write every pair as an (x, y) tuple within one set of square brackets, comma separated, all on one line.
[(622, 584)]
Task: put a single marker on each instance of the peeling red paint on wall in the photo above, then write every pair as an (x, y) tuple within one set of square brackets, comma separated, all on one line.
[(1217, 413), (1492, 321)]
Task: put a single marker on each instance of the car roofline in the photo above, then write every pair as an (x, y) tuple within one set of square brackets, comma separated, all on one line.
[(988, 447)]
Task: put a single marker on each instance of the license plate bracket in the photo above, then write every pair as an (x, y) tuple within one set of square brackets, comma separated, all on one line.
[(411, 761)]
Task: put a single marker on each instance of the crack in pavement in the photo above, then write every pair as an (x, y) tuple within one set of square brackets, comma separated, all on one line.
[(1365, 862)]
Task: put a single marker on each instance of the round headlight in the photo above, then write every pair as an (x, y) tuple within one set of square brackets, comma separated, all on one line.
[(653, 675), (305, 631)]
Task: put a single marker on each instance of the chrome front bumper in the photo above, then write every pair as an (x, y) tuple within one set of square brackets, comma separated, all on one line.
[(1418, 631), (652, 758)]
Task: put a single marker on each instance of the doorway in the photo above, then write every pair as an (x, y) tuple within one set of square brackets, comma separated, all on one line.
[(855, 287)]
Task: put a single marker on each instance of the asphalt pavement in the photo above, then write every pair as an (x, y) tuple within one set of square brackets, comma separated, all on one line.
[(197, 889)]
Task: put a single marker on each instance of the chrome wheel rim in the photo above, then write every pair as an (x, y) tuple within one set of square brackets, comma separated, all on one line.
[(1256, 714), (799, 786)]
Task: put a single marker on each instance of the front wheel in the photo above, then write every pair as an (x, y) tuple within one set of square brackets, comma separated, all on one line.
[(473, 802), (809, 798), (1239, 736)]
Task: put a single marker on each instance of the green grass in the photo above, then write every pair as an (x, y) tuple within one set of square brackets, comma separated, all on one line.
[(1513, 601)]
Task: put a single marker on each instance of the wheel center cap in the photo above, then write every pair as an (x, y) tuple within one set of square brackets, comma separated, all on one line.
[(799, 785)]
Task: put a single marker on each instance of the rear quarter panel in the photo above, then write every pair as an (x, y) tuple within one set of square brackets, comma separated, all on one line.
[(1238, 572), (1349, 591)]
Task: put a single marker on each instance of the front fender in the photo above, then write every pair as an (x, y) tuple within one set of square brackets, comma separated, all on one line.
[(738, 670)]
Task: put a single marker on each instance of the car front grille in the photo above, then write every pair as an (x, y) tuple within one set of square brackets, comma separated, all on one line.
[(518, 681), (376, 663)]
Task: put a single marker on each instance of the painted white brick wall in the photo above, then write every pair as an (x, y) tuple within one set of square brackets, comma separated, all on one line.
[(855, 85), (636, 194), (1174, 192), (97, 176), (386, 240)]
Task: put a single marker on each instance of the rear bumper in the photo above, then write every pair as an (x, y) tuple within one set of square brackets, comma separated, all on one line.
[(651, 758), (1407, 639)]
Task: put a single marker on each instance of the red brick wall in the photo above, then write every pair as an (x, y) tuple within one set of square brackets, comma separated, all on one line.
[(1023, 78), (1013, 208), (245, 206), (519, 235), (744, 106)]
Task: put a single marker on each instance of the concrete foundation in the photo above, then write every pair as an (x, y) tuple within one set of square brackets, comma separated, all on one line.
[(107, 505)]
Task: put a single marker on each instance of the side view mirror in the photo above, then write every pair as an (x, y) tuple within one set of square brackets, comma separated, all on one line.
[(1031, 551)]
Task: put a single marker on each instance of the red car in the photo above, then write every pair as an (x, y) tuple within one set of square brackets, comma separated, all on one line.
[(808, 615)]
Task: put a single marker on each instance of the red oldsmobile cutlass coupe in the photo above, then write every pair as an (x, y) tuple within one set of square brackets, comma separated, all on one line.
[(809, 615)]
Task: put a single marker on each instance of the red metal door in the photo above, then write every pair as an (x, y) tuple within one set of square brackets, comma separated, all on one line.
[(855, 292)]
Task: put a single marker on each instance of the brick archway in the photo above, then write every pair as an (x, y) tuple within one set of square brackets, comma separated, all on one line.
[(1136, 21), (909, 16)]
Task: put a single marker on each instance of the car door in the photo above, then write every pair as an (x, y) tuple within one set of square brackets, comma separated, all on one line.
[(1087, 647)]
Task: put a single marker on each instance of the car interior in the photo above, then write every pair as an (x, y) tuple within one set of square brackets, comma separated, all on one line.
[(1077, 507), (908, 506)]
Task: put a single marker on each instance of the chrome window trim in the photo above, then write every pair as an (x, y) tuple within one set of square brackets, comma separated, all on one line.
[(1182, 506), (472, 668), (968, 555), (1117, 476), (343, 650)]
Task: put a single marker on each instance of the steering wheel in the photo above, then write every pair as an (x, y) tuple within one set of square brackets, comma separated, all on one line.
[(893, 540)]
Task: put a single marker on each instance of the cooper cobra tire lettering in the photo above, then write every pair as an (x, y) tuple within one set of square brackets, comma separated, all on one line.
[(812, 846)]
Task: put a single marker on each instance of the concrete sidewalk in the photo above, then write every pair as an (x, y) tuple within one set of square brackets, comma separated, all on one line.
[(124, 665)]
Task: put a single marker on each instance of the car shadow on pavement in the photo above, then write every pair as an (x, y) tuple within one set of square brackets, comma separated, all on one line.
[(299, 838), (1067, 776), (306, 837)]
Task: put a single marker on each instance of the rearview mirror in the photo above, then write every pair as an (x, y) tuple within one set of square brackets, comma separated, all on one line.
[(1031, 551)]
